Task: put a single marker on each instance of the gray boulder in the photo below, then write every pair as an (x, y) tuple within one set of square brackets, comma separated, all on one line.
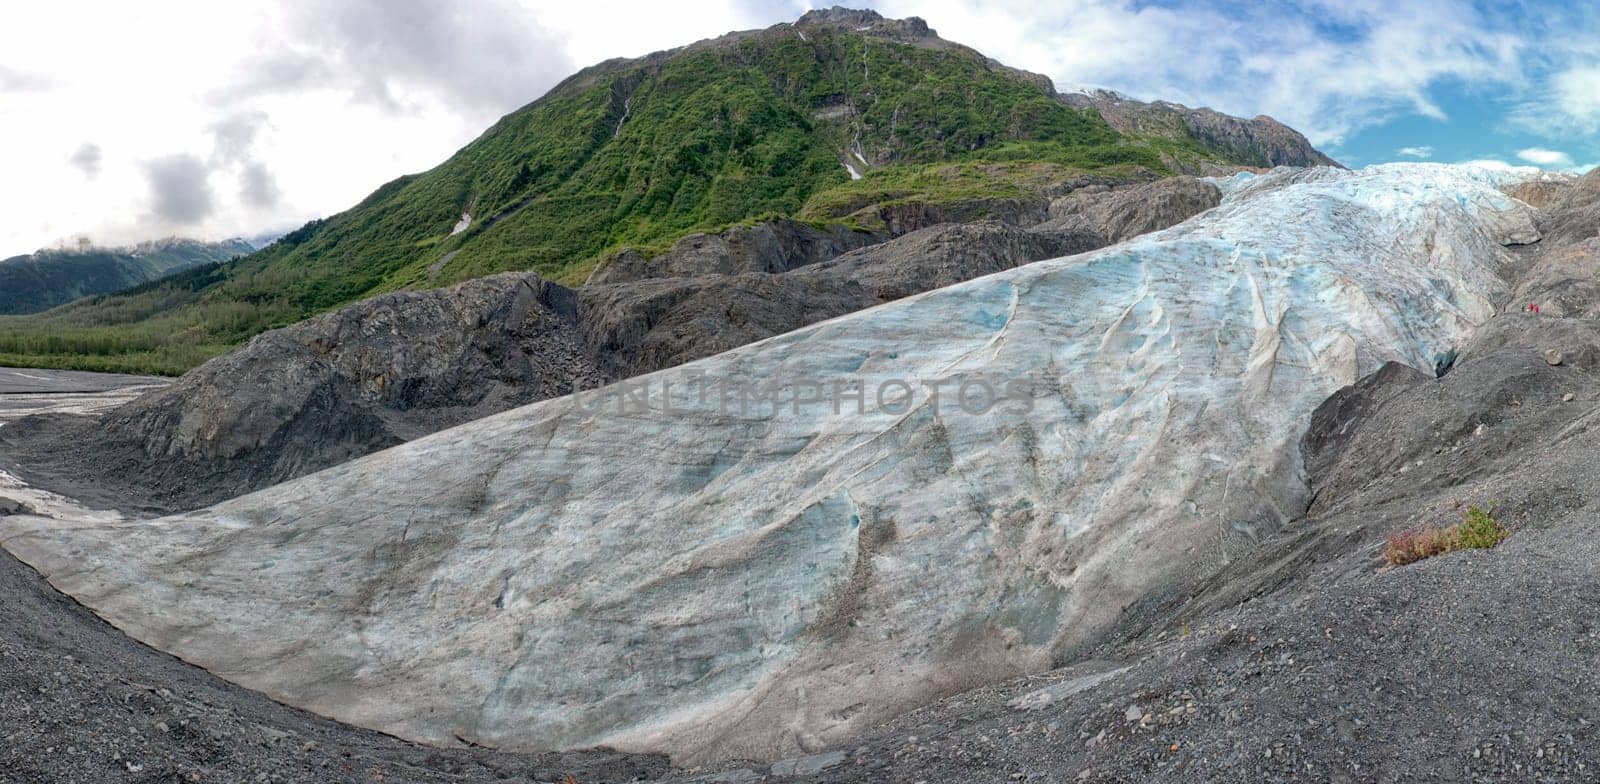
[(11, 506)]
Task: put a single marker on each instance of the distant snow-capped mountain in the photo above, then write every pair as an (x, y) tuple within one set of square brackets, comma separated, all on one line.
[(46, 278)]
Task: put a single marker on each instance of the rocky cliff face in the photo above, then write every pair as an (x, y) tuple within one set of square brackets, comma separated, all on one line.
[(653, 324), (1571, 212), (947, 254), (1559, 277), (405, 364), (1112, 215), (769, 246), (1260, 141)]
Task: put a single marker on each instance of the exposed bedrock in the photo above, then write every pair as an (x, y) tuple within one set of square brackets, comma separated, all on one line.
[(770, 246), (299, 399), (1260, 141), (1113, 215)]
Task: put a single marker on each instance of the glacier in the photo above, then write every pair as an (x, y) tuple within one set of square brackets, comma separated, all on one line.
[(666, 574)]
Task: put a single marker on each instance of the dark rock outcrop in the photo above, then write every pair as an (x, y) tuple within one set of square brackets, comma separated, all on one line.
[(1564, 281), (650, 325), (343, 384), (401, 365), (653, 324), (904, 214), (770, 246), (1114, 215), (11, 506), (947, 254)]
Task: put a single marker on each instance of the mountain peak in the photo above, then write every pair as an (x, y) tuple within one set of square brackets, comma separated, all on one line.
[(840, 15), (862, 20), (911, 29)]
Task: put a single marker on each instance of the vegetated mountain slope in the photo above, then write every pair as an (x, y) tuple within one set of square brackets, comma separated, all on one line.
[(640, 153), (388, 369), (756, 581), (47, 278)]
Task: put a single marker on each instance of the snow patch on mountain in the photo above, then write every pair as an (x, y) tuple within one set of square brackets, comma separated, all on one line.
[(677, 576)]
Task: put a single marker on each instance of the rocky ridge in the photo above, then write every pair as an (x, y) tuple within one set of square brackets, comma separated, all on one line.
[(1260, 141)]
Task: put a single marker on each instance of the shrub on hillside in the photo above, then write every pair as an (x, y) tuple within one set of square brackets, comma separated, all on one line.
[(1479, 531)]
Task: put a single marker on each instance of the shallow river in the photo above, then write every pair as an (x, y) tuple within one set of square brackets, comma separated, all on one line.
[(25, 391)]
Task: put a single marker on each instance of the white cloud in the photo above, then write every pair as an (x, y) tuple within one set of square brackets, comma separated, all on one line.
[(597, 30), (1246, 59), (1568, 105), (1422, 153), (258, 189), (87, 159), (294, 109), (180, 189), (1499, 165), (486, 56), (1543, 157), (15, 81)]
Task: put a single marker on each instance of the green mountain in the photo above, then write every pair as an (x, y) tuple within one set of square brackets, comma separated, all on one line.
[(816, 119), (44, 279)]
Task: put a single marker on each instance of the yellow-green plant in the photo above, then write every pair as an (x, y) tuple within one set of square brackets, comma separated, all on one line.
[(1478, 531)]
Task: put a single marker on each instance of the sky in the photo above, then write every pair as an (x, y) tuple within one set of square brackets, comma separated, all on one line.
[(123, 121)]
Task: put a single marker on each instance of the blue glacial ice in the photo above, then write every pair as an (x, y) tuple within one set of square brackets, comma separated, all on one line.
[(718, 583)]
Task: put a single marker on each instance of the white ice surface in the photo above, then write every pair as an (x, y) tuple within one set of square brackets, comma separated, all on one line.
[(712, 585)]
